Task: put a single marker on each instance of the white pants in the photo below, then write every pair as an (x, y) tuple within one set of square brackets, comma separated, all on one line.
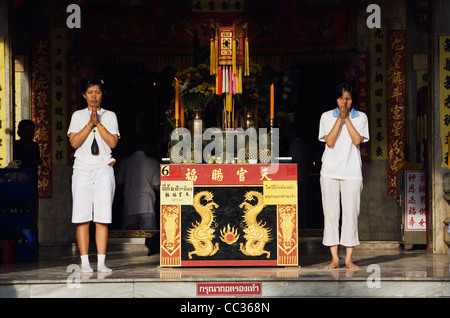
[(348, 192), (93, 195)]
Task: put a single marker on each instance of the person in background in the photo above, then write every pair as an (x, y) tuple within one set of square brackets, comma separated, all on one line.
[(25, 149), (139, 175), (342, 129), (93, 132)]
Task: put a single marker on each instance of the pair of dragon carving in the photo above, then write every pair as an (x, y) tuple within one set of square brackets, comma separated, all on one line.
[(201, 233)]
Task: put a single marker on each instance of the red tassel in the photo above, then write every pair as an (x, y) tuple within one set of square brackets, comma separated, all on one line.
[(219, 81)]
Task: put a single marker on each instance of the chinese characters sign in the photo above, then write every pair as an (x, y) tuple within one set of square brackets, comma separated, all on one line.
[(415, 200), (396, 98), (227, 174), (177, 192), (41, 113), (363, 89), (378, 103), (228, 215), (3, 159), (58, 91), (217, 6), (73, 95), (444, 89)]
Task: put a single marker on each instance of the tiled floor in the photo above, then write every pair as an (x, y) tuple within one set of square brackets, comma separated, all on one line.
[(384, 272)]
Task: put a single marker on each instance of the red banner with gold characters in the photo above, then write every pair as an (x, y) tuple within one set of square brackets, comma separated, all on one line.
[(171, 235), (228, 215), (41, 110), (226, 37), (396, 98)]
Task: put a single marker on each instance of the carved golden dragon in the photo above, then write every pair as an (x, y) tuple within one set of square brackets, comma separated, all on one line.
[(201, 235), (256, 233)]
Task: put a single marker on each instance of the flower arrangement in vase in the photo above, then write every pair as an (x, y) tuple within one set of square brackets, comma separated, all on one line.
[(197, 88)]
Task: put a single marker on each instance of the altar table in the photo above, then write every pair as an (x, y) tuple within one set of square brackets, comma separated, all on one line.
[(228, 215)]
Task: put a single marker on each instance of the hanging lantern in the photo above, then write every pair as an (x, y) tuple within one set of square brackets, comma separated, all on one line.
[(229, 62), (229, 58)]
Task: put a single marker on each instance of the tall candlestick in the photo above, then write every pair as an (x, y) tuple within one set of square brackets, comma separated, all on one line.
[(182, 113), (177, 102), (272, 100)]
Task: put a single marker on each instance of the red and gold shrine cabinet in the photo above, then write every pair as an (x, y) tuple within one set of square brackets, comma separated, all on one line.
[(229, 215)]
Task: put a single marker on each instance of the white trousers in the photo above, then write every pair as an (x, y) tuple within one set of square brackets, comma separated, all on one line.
[(93, 195), (347, 192)]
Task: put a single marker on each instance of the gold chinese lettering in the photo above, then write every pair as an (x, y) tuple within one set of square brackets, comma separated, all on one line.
[(217, 175), (241, 173), (191, 175), (264, 175)]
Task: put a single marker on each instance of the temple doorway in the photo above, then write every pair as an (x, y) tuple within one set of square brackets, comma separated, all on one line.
[(315, 84)]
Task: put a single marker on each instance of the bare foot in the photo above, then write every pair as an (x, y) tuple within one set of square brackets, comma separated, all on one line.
[(334, 264), (350, 265)]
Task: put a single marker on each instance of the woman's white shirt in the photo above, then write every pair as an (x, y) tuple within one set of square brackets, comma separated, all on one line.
[(343, 160), (84, 160)]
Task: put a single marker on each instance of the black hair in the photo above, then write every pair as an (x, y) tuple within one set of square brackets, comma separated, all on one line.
[(23, 124), (88, 82), (347, 87)]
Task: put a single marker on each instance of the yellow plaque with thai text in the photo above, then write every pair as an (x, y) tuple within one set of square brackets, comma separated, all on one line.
[(177, 193), (280, 192), (4, 160)]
